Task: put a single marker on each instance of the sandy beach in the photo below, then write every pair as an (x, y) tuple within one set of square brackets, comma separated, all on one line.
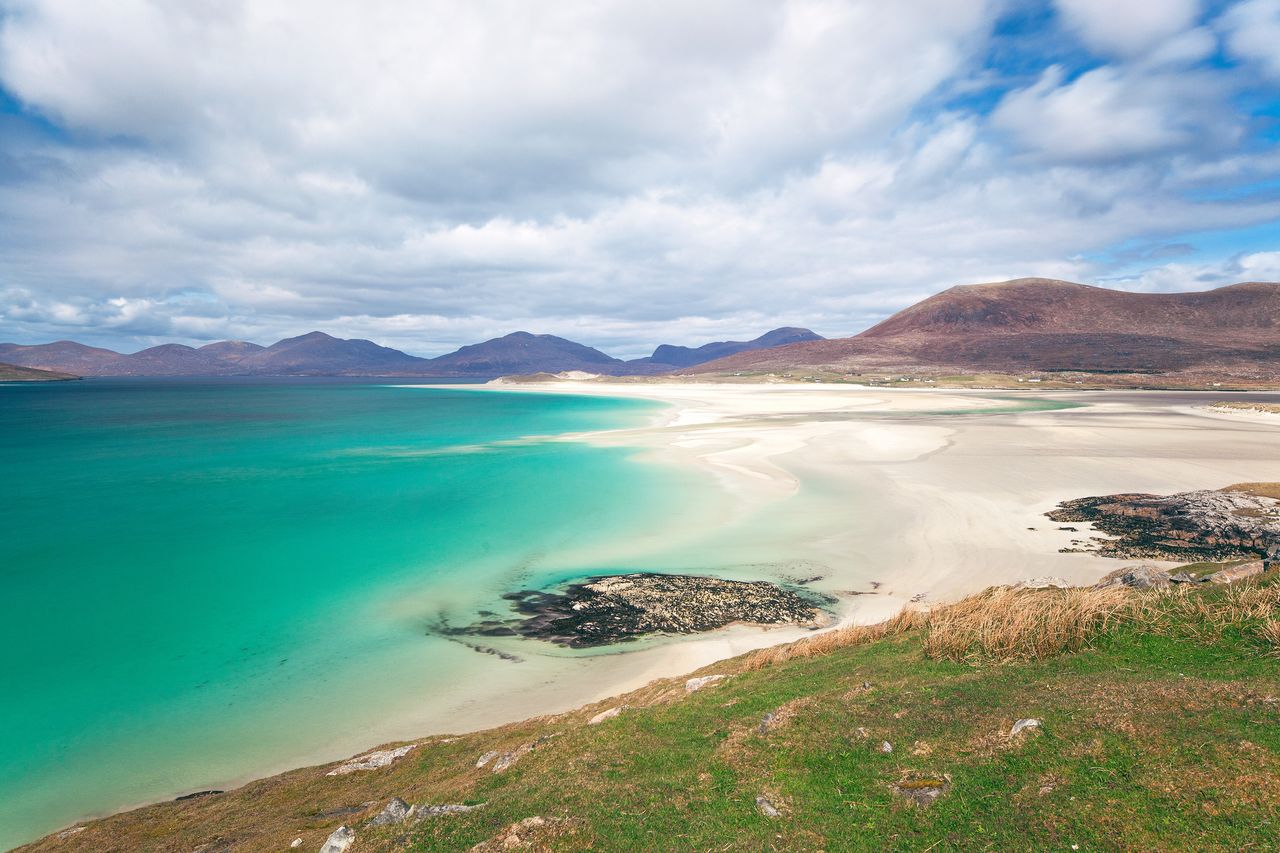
[(887, 496)]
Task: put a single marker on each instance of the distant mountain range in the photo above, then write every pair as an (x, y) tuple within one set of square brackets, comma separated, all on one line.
[(1020, 326), (1034, 324), (318, 354)]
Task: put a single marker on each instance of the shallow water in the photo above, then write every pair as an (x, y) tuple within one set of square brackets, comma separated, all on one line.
[(209, 579)]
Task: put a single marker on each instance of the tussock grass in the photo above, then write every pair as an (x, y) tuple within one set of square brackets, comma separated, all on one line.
[(1007, 624), (827, 642)]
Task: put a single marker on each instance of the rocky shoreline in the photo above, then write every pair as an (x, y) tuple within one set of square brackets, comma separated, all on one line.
[(1199, 526), (616, 608)]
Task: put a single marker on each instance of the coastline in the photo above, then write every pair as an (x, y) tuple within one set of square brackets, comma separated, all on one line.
[(844, 482)]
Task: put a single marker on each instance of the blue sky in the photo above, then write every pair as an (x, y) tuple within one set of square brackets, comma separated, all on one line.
[(427, 174)]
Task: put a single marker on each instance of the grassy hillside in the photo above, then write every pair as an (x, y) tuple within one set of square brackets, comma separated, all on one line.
[(1158, 729), (14, 373)]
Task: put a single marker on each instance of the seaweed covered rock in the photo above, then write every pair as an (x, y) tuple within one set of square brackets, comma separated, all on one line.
[(614, 608), (1185, 527)]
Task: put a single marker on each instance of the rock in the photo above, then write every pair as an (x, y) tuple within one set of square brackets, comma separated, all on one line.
[(506, 759), (1199, 526), (886, 747), (1271, 559), (863, 733), (197, 795), (767, 808), (1046, 582), (373, 760), (1236, 573), (297, 842), (1182, 577), (1144, 576), (922, 790), (613, 608), (695, 684), (67, 833), (604, 715), (340, 840), (766, 722), (395, 812), (486, 758), (1022, 725), (420, 812)]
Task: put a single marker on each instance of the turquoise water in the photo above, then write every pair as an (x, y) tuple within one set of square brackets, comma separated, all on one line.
[(207, 579)]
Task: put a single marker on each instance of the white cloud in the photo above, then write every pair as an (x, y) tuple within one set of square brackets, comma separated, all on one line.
[(1130, 28), (1110, 114), (1253, 34), (429, 174)]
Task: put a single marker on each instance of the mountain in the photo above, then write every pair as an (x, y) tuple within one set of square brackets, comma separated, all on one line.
[(64, 357), (13, 373), (318, 354), (232, 351), (522, 352), (1047, 325), (172, 360), (669, 356)]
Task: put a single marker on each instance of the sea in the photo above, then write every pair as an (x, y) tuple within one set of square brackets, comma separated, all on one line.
[(207, 580)]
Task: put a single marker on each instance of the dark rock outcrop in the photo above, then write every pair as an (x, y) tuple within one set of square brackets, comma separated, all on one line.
[(1185, 527), (615, 608)]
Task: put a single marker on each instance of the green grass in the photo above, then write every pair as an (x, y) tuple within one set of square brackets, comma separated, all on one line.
[(1162, 734)]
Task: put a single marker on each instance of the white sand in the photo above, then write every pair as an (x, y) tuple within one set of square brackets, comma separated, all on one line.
[(888, 494)]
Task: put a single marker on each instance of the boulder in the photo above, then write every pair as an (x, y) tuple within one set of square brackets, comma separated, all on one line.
[(604, 715), (1144, 576), (1236, 573), (395, 812), (340, 840)]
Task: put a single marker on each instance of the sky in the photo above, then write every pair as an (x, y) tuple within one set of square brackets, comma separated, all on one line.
[(428, 173)]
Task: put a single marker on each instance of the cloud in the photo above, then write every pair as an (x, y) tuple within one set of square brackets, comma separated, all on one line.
[(1253, 32), (1127, 29), (428, 174), (1114, 114)]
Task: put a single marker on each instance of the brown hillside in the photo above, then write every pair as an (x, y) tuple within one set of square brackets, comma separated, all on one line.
[(1042, 325)]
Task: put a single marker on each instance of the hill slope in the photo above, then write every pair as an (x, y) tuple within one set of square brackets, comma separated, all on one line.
[(1046, 325), (1157, 730), (522, 352), (14, 373), (668, 356)]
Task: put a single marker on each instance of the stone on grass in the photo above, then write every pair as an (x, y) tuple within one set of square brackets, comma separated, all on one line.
[(340, 840), (420, 812), (695, 684), (886, 747), (1022, 725), (486, 758), (604, 715), (297, 842), (395, 812), (922, 790), (766, 808), (1236, 573), (372, 760)]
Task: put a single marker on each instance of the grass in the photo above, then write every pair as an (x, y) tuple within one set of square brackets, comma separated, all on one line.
[(1160, 730), (1247, 406)]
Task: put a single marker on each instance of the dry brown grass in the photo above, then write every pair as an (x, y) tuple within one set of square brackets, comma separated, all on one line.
[(1262, 490), (1022, 624), (829, 641)]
